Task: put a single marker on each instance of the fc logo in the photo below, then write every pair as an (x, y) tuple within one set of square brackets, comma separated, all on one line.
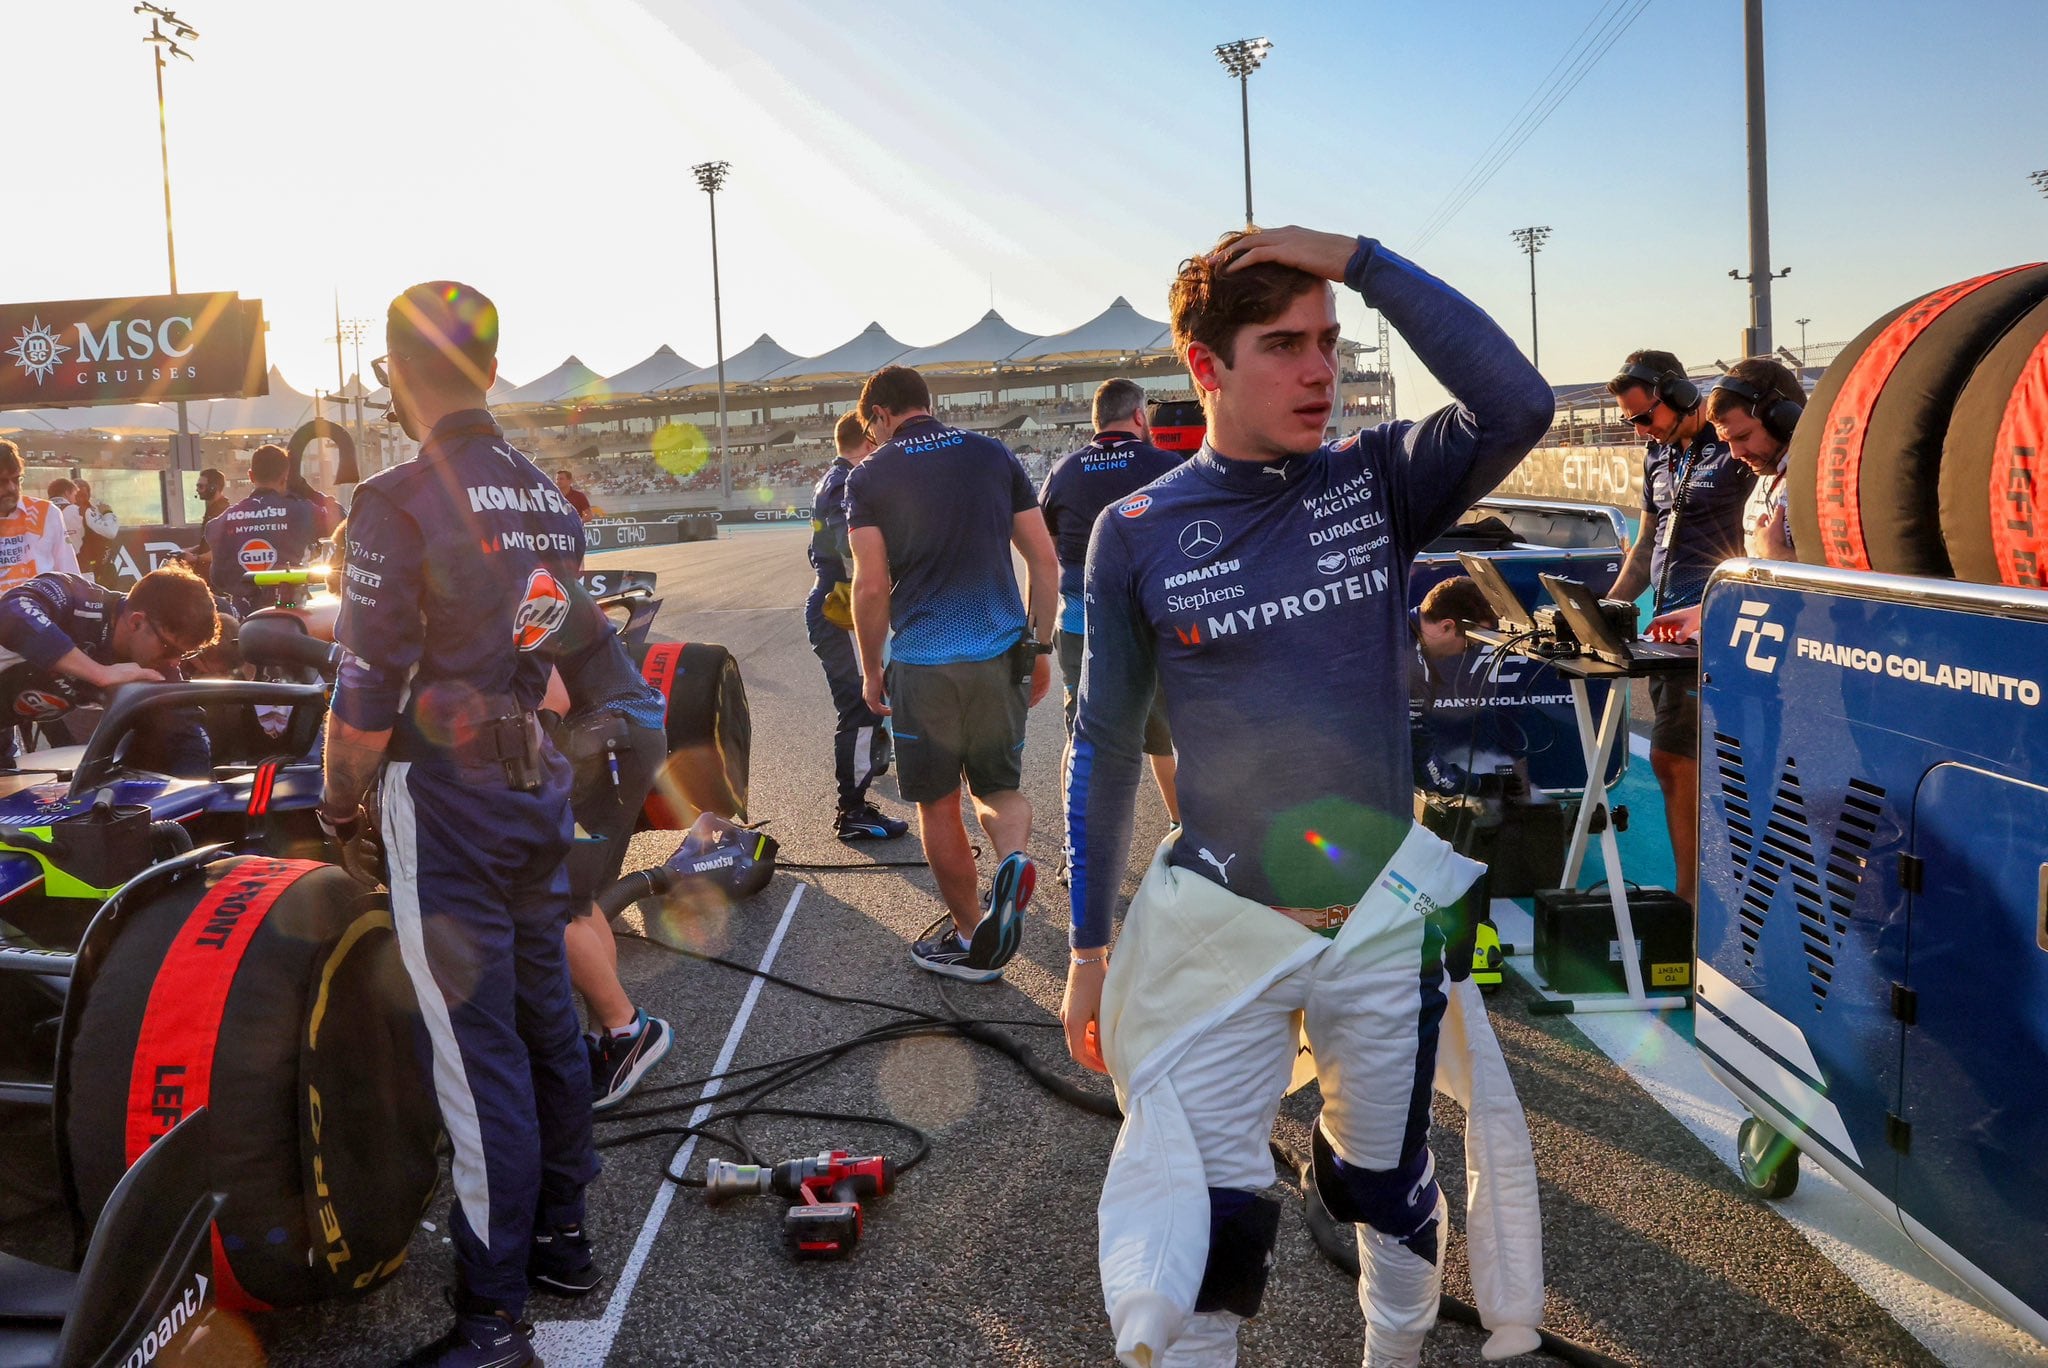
[(1765, 636)]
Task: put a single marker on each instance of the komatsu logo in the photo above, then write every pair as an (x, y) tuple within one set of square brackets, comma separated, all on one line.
[(1202, 572), (1754, 624)]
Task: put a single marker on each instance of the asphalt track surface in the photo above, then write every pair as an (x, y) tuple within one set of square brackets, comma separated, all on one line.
[(986, 1253)]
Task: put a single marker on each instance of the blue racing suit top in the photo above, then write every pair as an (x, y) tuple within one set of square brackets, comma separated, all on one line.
[(1268, 600), (945, 501), (1109, 469), (1705, 487), (451, 556), (829, 551), (41, 622), (268, 530)]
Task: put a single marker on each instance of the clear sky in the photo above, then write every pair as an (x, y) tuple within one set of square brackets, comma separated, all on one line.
[(899, 162)]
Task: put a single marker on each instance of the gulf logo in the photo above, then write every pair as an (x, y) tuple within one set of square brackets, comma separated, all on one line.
[(257, 554), (1135, 505), (542, 610)]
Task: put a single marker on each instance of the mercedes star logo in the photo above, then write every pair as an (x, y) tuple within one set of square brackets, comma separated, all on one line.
[(1200, 540)]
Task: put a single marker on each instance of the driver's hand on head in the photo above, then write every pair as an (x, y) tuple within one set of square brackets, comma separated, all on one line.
[(127, 672), (1320, 254), (1682, 625), (1081, 1013)]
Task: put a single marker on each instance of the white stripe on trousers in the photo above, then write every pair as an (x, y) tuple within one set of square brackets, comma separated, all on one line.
[(451, 1080)]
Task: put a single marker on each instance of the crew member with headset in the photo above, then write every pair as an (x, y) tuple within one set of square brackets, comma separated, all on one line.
[(64, 639), (1754, 407), (272, 529), (1694, 491), (457, 562), (1117, 462), (860, 740)]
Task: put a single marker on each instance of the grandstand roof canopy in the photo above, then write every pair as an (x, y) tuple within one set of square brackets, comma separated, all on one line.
[(658, 367), (1118, 330), (761, 359), (983, 345), (281, 410), (856, 358), (572, 375)]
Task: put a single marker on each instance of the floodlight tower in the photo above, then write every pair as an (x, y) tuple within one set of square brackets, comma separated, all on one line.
[(1802, 322), (1241, 58), (1532, 240), (166, 44), (711, 178)]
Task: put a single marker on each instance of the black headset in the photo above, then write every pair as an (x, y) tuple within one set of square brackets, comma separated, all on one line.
[(1672, 388), (1778, 414)]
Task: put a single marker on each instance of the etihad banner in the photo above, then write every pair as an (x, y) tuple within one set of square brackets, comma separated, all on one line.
[(126, 351), (1597, 474)]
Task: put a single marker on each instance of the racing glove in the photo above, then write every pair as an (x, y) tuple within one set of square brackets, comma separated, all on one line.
[(362, 851)]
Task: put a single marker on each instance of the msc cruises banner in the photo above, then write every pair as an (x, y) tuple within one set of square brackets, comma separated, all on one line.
[(138, 350)]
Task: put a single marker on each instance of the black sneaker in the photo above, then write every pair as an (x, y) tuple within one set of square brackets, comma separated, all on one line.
[(867, 823), (560, 1263), (996, 937), (617, 1063), (483, 1337)]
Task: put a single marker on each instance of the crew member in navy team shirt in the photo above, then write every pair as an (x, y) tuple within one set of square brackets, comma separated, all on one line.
[(1117, 463), (1694, 491), (933, 514), (1447, 758), (454, 584), (860, 739), (1286, 681), (270, 530), (64, 640)]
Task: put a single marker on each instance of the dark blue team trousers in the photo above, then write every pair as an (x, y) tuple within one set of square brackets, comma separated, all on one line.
[(858, 744), (479, 898)]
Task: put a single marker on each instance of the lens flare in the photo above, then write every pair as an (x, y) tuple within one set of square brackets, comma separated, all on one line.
[(1332, 852), (681, 448)]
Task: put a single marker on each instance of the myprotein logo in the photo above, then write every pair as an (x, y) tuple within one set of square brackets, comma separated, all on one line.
[(1201, 539), (542, 611), (1766, 638)]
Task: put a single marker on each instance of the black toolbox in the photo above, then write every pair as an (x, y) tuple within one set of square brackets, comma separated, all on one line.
[(1577, 950)]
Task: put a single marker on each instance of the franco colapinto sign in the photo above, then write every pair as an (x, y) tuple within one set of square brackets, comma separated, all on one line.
[(133, 350)]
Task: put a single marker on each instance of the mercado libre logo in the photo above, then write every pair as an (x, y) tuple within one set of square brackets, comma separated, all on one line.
[(37, 350)]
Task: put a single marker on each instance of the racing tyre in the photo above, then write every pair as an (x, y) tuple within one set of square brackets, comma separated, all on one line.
[(272, 993), (1991, 464), (1770, 1162), (1865, 464), (710, 734)]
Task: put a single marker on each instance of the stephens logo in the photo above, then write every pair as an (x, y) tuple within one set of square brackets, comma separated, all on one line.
[(257, 555), (37, 350), (1759, 629), (1201, 539), (541, 612), (1135, 506)]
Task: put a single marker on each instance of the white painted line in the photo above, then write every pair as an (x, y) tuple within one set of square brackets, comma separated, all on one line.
[(1922, 1296), (1639, 746), (587, 1343)]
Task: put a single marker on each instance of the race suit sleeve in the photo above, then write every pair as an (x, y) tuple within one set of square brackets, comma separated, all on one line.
[(1118, 673), (33, 618), (1502, 406), (381, 624)]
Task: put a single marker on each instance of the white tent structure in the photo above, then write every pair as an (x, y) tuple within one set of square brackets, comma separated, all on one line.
[(566, 379), (657, 368), (283, 409), (981, 347), (1118, 331), (761, 359), (857, 358)]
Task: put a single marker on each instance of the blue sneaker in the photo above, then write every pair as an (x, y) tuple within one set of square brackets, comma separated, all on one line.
[(996, 936), (867, 823), (483, 1337)]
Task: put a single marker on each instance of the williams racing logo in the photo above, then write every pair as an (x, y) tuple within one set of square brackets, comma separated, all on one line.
[(257, 555), (1766, 638), (37, 350), (542, 611)]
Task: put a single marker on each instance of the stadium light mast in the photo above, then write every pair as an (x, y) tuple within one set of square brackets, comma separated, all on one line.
[(166, 44), (1802, 322), (1756, 338), (1532, 240), (711, 177), (1241, 59)]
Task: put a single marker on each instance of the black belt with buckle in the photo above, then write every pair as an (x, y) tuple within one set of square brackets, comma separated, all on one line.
[(511, 743)]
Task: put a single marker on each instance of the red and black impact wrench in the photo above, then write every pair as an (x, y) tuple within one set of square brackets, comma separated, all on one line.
[(827, 1189)]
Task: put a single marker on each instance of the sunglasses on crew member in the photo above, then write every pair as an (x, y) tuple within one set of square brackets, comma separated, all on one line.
[(1640, 419)]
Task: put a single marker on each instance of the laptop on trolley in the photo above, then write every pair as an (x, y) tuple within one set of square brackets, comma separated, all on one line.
[(1598, 636)]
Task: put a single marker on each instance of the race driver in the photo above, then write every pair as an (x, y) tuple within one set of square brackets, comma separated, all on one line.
[(453, 585), (1285, 679)]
